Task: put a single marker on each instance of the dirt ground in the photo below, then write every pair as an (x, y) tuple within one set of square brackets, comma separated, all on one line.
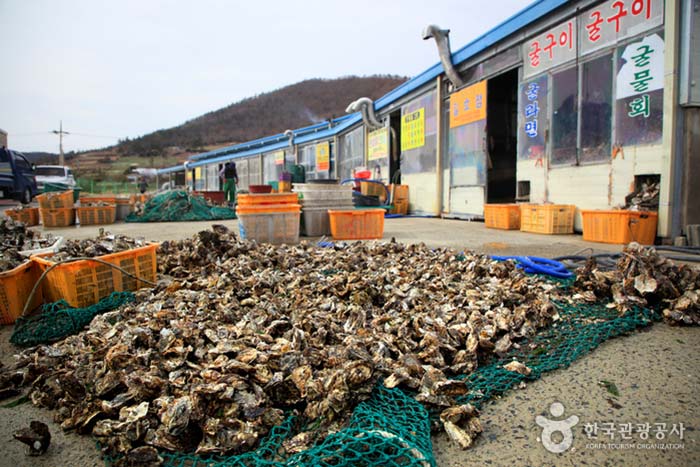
[(655, 370)]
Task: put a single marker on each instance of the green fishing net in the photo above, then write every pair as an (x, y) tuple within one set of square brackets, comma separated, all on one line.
[(58, 320), (176, 206)]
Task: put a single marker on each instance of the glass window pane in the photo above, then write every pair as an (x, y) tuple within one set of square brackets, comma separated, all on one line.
[(564, 116), (596, 109)]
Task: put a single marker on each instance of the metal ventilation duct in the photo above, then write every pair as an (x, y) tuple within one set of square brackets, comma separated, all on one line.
[(442, 39)]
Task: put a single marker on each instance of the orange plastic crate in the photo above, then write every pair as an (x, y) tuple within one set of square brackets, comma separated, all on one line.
[(361, 224), (502, 216), (56, 200), (57, 217), (84, 283), (267, 198), (95, 215), (15, 287), (28, 216), (619, 227), (547, 218)]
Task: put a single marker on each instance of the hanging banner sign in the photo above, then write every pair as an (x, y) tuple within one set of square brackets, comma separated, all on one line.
[(279, 157), (552, 48), (615, 20), (468, 105), (413, 130), (643, 69), (533, 108), (378, 144), (323, 157)]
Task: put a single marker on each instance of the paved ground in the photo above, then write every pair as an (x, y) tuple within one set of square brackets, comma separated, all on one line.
[(433, 232), (656, 372)]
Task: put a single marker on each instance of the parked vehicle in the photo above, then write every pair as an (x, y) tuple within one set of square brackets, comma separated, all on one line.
[(17, 180), (55, 174)]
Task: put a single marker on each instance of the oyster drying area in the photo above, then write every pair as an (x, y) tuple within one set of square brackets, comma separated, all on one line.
[(419, 348)]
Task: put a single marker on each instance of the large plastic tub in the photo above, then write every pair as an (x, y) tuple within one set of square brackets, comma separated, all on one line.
[(124, 208), (15, 287), (619, 227), (316, 222), (84, 283), (28, 216), (502, 216), (266, 199), (547, 218), (57, 217), (96, 215), (304, 187), (357, 224), (270, 224)]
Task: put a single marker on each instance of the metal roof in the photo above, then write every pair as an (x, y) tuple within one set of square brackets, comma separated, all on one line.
[(527, 16)]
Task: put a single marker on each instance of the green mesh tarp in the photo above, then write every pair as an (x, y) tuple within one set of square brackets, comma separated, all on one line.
[(176, 206), (392, 429), (58, 320)]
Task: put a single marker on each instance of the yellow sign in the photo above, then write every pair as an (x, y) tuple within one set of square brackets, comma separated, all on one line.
[(378, 144), (413, 130), (322, 157), (279, 157), (468, 105), (198, 173)]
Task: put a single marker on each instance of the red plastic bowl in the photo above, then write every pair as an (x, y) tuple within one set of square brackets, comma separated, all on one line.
[(260, 188)]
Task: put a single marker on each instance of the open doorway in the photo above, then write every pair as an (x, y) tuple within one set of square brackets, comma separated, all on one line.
[(395, 147), (502, 139)]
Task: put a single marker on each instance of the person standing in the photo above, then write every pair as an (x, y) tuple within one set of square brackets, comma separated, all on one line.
[(143, 185), (229, 175)]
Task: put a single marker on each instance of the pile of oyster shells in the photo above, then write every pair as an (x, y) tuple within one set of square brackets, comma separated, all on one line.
[(238, 335), (16, 237), (104, 244), (644, 278), (244, 333)]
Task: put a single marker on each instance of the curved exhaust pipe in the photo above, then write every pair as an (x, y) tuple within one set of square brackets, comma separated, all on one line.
[(290, 134), (442, 39), (365, 106)]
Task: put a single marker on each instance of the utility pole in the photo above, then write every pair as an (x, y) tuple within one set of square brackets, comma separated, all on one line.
[(60, 133)]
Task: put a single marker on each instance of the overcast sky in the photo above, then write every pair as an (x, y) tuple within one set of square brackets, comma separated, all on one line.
[(112, 69)]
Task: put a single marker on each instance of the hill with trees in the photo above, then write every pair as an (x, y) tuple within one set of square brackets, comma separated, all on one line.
[(298, 105)]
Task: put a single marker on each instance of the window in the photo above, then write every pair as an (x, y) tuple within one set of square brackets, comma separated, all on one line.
[(22, 163), (596, 109), (49, 171), (582, 113), (564, 116), (352, 152)]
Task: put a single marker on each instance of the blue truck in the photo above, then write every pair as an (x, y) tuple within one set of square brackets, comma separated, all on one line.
[(16, 177)]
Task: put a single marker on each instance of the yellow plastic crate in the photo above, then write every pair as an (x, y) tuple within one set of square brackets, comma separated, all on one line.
[(547, 218), (95, 215), (28, 216), (502, 216), (15, 287), (56, 200), (360, 224), (57, 217), (84, 283), (619, 227)]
